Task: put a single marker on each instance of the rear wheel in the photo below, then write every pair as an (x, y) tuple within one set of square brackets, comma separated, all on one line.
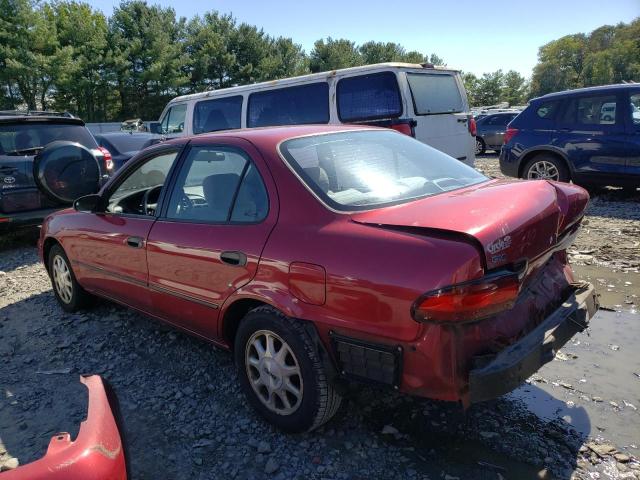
[(70, 295), (281, 373), (480, 146), (546, 167)]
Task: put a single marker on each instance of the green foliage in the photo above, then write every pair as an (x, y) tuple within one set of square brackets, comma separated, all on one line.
[(496, 87), (609, 54), (63, 54)]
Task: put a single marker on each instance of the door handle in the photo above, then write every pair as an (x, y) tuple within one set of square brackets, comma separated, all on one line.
[(135, 242), (237, 259)]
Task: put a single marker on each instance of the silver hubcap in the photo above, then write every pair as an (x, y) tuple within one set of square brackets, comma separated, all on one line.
[(478, 147), (543, 170), (62, 279), (274, 372)]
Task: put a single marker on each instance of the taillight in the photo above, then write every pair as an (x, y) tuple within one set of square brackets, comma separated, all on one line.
[(468, 301), (509, 134), (405, 128), (108, 158), (473, 128)]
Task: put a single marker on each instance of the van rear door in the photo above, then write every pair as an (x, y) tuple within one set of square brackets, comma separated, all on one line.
[(440, 110)]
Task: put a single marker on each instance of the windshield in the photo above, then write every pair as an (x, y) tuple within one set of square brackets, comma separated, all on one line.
[(359, 170), (32, 135)]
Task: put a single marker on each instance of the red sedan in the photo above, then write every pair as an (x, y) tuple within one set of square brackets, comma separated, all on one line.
[(321, 254)]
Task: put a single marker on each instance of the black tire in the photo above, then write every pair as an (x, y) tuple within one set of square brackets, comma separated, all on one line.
[(319, 397), (78, 297), (563, 174), (481, 147)]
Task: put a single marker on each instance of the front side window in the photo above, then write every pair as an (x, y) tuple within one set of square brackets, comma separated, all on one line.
[(366, 169), (635, 108), (303, 104), (369, 97), (435, 93), (173, 121), (217, 114), (588, 111), (138, 194), (218, 185)]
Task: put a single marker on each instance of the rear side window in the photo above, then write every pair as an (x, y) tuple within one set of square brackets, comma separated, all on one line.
[(547, 110), (594, 110), (20, 137), (218, 114), (499, 120), (434, 94), (289, 106), (369, 97), (218, 185), (635, 108)]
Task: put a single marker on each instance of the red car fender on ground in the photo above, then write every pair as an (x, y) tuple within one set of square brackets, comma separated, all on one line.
[(96, 454)]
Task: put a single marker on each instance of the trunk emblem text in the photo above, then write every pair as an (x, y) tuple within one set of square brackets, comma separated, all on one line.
[(499, 245)]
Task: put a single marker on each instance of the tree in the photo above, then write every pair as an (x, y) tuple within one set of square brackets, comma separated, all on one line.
[(85, 86), (609, 54), (148, 50), (30, 54), (514, 88), (333, 54)]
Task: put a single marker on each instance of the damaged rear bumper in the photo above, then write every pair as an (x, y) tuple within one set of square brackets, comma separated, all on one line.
[(96, 453), (512, 366)]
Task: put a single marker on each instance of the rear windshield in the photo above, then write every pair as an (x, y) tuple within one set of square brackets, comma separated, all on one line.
[(15, 138), (365, 169), (289, 106), (217, 114), (435, 93)]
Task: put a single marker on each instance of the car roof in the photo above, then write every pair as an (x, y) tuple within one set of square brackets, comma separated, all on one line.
[(273, 135), (4, 119), (597, 89)]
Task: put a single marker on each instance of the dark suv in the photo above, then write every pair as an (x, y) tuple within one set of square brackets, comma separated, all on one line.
[(46, 162), (590, 136)]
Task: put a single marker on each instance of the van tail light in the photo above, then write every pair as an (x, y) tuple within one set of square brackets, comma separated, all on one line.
[(473, 128), (509, 134), (469, 301), (405, 128), (108, 158)]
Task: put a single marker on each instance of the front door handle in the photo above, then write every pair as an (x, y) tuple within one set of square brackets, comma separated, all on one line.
[(237, 259), (135, 242)]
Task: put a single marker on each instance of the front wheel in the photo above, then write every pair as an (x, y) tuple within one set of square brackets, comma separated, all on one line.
[(480, 146), (70, 295), (281, 372), (546, 167)]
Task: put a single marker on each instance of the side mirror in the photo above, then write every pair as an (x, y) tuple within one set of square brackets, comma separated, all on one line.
[(88, 203), (154, 127)]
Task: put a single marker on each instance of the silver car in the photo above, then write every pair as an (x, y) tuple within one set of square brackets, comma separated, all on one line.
[(490, 131)]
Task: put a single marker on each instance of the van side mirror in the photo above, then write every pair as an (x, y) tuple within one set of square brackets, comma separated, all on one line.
[(154, 127), (88, 203)]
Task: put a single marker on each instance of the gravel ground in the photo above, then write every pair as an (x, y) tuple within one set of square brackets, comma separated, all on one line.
[(185, 417)]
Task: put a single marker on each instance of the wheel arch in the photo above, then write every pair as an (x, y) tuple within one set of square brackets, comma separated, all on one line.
[(528, 155), (47, 245)]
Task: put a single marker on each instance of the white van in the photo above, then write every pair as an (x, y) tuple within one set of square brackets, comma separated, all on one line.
[(426, 102)]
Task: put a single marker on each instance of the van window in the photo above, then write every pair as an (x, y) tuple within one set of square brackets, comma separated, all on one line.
[(635, 108), (173, 121), (369, 97), (289, 106), (434, 93), (217, 114)]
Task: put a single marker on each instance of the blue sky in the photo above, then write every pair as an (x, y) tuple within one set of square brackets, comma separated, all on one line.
[(475, 36)]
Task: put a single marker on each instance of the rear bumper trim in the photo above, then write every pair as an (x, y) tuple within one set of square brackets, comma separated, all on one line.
[(512, 366)]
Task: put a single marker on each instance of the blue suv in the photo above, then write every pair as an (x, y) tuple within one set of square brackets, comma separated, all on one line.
[(590, 136)]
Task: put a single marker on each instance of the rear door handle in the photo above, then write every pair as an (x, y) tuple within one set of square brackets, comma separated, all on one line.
[(135, 242), (237, 259)]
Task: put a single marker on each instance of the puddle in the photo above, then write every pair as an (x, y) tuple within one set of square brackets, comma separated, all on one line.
[(618, 290), (590, 372)]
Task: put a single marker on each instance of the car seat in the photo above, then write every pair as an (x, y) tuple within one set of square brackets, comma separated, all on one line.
[(218, 192)]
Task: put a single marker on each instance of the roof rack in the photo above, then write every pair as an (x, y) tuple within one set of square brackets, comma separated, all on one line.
[(36, 113)]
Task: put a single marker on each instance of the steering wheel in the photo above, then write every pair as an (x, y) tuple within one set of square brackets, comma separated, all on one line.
[(185, 204), (149, 208)]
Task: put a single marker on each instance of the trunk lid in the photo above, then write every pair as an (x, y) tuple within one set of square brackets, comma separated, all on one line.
[(510, 220)]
